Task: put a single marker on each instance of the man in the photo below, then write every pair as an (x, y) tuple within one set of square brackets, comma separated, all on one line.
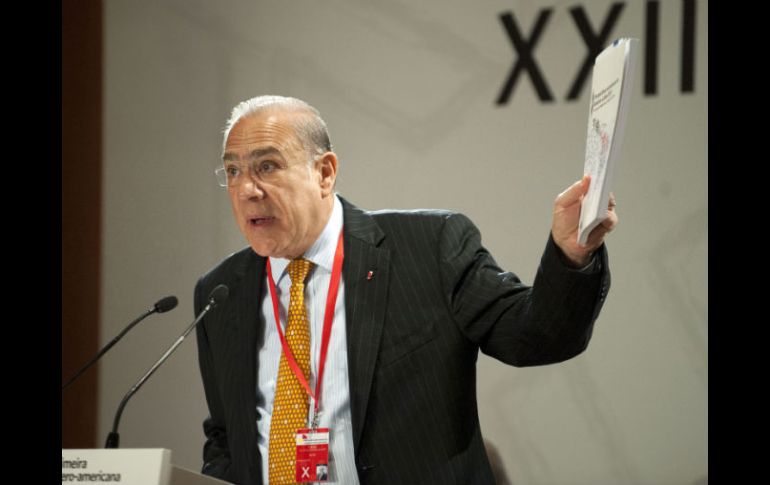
[(321, 472), (417, 297)]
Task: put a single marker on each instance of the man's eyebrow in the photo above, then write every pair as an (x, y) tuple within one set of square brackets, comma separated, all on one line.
[(259, 152)]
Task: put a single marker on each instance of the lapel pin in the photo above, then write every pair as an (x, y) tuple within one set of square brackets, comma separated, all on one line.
[(369, 275)]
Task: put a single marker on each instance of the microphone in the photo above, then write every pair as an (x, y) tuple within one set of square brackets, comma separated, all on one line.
[(218, 295), (163, 305)]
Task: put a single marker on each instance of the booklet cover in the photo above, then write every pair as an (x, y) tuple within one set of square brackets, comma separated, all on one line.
[(611, 87)]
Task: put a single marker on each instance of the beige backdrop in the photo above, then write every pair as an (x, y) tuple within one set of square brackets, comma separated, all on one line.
[(408, 90)]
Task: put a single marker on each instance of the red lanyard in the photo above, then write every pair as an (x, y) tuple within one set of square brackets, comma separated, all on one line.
[(331, 301)]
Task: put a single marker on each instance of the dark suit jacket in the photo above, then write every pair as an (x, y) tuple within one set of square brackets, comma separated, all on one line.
[(413, 333)]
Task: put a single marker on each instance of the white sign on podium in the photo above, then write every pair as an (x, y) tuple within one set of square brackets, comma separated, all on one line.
[(141, 466)]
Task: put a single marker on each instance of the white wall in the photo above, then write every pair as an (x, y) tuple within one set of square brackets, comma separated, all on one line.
[(408, 90)]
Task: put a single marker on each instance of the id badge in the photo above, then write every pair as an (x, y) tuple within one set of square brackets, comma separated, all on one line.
[(312, 455)]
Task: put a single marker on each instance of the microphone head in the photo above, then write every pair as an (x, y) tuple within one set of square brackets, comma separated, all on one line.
[(166, 304), (219, 294)]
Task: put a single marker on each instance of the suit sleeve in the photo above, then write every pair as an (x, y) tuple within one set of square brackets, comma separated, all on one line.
[(549, 322), (216, 453)]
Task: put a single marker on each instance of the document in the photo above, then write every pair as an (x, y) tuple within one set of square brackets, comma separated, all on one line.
[(611, 87)]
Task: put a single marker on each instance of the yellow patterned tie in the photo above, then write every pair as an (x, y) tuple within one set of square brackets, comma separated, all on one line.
[(291, 400)]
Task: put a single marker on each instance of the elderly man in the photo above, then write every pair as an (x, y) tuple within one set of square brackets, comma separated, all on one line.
[(352, 336)]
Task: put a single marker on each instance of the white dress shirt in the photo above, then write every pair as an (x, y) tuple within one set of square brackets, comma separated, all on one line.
[(335, 392)]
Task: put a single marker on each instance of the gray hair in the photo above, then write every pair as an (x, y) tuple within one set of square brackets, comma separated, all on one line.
[(311, 129)]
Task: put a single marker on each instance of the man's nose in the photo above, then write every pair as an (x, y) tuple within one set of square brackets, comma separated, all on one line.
[(250, 189)]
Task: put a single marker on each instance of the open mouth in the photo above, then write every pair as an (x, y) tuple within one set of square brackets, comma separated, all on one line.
[(260, 221)]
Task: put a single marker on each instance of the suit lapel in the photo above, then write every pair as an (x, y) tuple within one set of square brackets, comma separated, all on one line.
[(243, 339), (365, 305)]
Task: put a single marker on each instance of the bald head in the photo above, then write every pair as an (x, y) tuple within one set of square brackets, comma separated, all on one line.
[(307, 123)]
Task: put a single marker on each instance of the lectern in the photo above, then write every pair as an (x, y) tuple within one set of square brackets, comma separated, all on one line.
[(126, 466)]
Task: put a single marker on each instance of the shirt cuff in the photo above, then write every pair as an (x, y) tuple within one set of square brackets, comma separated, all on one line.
[(594, 265)]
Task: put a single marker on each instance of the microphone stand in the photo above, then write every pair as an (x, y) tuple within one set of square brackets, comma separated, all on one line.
[(113, 439), (163, 305)]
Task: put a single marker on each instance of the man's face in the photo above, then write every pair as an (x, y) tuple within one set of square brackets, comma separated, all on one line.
[(281, 215)]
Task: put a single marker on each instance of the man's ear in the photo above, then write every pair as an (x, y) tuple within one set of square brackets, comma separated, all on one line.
[(326, 166)]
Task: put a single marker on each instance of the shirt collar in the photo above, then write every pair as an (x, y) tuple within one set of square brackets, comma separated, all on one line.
[(321, 253)]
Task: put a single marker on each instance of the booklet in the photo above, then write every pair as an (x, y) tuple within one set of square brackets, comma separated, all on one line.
[(611, 87)]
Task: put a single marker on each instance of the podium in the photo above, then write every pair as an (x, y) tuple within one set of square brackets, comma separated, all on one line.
[(139, 466)]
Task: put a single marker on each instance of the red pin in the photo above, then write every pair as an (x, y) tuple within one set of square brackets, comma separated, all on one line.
[(369, 275)]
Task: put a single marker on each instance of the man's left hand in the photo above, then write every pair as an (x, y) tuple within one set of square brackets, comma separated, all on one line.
[(566, 216)]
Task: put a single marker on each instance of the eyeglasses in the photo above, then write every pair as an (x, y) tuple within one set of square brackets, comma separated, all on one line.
[(234, 174)]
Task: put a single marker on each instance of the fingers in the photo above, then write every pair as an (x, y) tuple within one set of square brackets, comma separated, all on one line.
[(574, 192), (610, 222), (612, 217), (596, 237)]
